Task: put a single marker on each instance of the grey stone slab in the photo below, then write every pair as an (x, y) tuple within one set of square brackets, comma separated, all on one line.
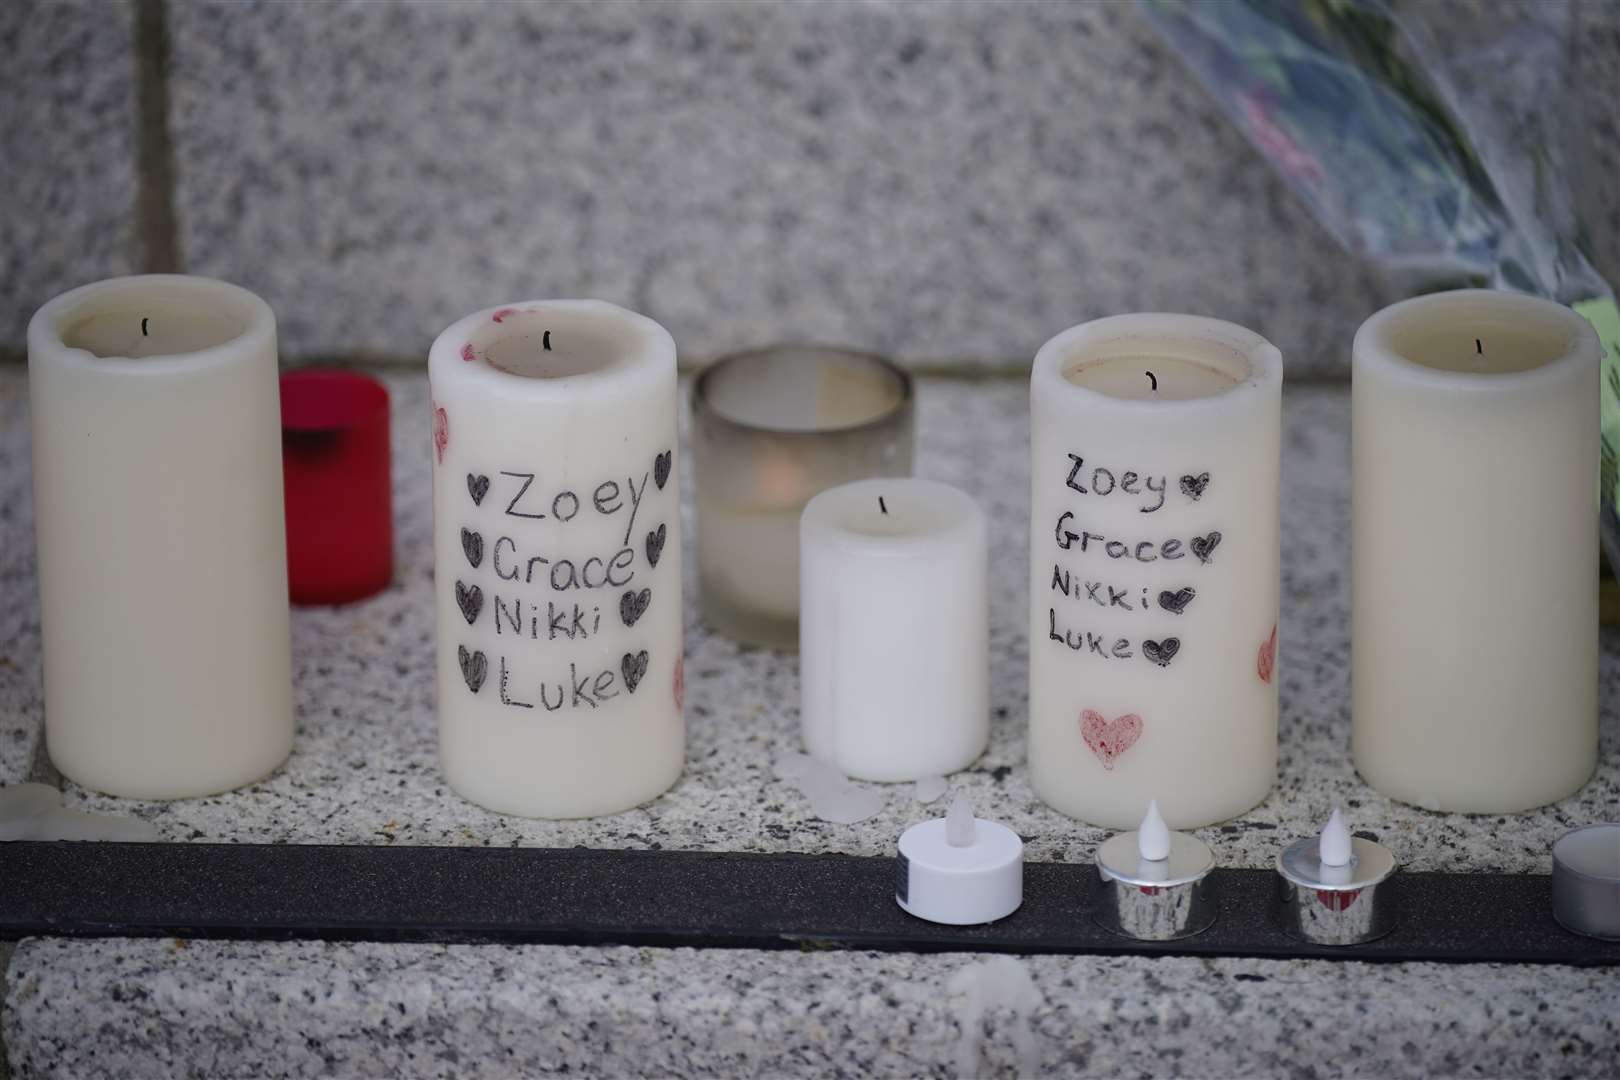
[(218, 1008), (67, 136), (365, 765), (942, 181)]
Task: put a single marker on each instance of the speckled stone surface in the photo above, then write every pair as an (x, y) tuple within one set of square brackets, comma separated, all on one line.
[(67, 137), (22, 702), (365, 771), (174, 1008), (942, 181), (365, 764)]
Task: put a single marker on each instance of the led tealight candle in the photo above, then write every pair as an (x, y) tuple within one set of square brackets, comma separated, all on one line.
[(960, 870), (162, 544), (557, 558), (1154, 576), (894, 629), (1153, 884), (1329, 887), (1475, 452)]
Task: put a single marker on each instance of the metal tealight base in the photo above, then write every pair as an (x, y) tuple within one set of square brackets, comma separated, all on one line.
[(1158, 900), (1335, 905)]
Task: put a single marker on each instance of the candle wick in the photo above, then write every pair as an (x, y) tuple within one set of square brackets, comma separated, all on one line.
[(545, 340), (1154, 379), (143, 327), (1478, 348), (883, 505)]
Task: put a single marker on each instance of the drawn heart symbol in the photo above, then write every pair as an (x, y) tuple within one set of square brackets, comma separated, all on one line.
[(1204, 546), (633, 604), (1177, 601), (655, 545), (633, 668), (1109, 740), (474, 667), (473, 544), (467, 353), (470, 600), (661, 466), (477, 487), (1161, 652), (1267, 661), (1193, 486), (680, 683)]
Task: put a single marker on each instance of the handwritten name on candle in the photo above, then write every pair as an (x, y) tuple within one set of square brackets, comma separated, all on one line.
[(523, 572), (1087, 572)]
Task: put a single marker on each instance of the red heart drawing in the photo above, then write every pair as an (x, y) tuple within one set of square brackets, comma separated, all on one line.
[(1109, 740), (1267, 662), (441, 431), (467, 353)]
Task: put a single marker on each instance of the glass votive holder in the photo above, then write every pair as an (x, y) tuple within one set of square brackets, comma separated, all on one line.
[(771, 428)]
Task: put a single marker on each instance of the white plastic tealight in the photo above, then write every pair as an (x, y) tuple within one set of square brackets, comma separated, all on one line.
[(960, 870)]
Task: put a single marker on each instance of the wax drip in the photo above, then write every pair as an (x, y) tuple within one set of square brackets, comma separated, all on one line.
[(1153, 835)]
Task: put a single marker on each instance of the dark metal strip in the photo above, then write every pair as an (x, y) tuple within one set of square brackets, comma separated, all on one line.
[(714, 900)]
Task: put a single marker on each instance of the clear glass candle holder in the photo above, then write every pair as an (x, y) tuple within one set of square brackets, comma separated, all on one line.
[(771, 428)]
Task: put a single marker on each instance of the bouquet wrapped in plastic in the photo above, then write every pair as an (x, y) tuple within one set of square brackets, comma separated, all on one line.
[(1447, 167)]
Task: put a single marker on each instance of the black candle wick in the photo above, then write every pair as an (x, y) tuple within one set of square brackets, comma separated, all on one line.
[(883, 506), (143, 326), (1154, 379), (545, 341), (1478, 348)]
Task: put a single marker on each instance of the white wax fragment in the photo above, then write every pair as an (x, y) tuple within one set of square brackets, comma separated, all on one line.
[(1153, 835), (64, 824), (25, 800), (929, 788), (1335, 843), (1000, 983), (833, 796), (960, 828)]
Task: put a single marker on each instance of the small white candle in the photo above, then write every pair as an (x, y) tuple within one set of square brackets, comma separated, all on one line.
[(162, 543), (557, 558), (1154, 568), (1475, 453), (894, 629)]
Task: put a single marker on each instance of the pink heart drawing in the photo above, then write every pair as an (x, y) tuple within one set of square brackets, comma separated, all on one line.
[(1109, 740), (1266, 664)]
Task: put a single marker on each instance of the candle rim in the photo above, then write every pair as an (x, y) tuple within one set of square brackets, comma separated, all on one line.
[(968, 522), (702, 403), (652, 354), (1568, 867), (45, 329), (1163, 330), (1373, 347)]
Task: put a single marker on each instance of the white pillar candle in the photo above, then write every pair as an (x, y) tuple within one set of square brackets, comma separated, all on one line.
[(1154, 576), (1475, 436), (162, 542), (557, 558), (894, 629)]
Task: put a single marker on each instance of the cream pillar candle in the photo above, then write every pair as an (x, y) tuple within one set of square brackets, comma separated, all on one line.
[(1154, 576), (1475, 447), (162, 544), (894, 629), (557, 558)]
